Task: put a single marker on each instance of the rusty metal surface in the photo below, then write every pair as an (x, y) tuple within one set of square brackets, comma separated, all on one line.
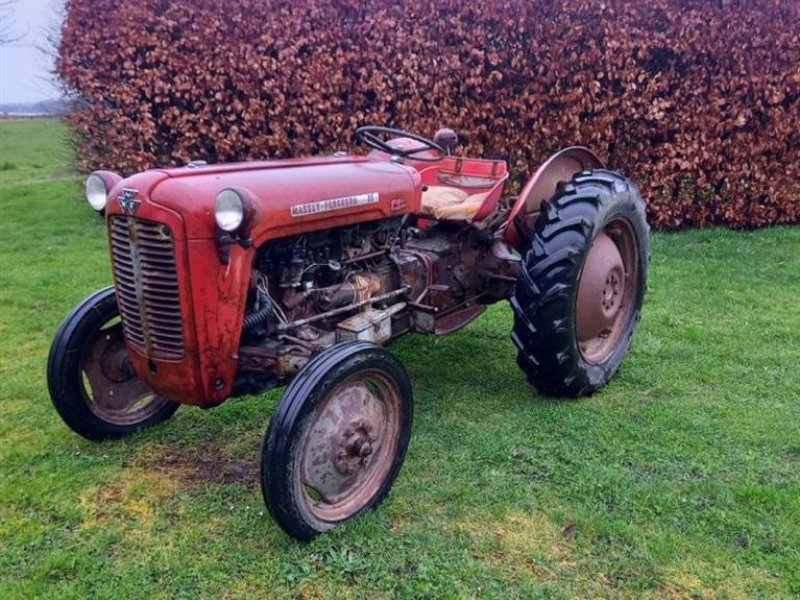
[(350, 445), (461, 270), (342, 310), (606, 291), (257, 358), (115, 393), (370, 326), (562, 166), (457, 319), (145, 271)]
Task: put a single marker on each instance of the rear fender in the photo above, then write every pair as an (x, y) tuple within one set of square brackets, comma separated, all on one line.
[(562, 166)]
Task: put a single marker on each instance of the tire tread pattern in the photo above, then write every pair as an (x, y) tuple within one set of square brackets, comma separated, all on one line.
[(544, 299)]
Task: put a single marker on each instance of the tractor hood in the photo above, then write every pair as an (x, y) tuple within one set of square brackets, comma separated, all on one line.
[(286, 197)]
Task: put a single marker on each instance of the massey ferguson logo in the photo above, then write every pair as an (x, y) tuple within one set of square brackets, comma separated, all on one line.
[(312, 208), (128, 202)]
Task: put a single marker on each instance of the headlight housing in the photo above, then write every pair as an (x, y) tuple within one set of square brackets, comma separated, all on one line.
[(96, 192), (98, 186), (229, 210)]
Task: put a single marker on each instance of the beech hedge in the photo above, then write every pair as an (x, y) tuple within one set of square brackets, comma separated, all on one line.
[(698, 100)]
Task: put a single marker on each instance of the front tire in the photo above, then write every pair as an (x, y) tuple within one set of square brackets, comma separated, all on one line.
[(92, 384), (579, 294), (337, 439)]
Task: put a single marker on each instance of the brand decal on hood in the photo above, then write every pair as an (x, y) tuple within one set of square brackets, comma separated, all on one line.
[(312, 208)]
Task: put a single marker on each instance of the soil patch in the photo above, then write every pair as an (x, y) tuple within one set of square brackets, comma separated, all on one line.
[(208, 462)]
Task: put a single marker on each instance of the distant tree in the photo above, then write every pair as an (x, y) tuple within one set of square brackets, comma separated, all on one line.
[(8, 33)]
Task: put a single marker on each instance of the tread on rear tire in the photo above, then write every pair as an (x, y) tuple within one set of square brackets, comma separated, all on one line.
[(592, 205)]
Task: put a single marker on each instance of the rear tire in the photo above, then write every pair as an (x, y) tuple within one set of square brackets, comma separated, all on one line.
[(579, 294), (337, 439), (91, 382)]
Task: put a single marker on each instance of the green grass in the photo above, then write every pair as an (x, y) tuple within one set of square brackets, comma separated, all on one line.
[(681, 479), (33, 149)]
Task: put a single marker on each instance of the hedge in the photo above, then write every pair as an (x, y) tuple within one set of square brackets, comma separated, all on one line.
[(698, 100)]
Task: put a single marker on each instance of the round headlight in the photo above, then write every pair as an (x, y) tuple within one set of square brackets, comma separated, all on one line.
[(229, 210), (96, 192)]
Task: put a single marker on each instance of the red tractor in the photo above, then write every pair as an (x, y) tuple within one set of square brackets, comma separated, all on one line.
[(233, 279)]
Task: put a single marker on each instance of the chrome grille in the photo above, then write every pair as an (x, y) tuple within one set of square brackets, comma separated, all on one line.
[(143, 255)]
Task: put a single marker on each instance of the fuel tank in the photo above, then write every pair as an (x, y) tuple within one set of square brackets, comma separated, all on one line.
[(292, 196)]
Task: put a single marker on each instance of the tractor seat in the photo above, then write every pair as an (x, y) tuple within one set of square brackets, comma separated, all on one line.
[(451, 204)]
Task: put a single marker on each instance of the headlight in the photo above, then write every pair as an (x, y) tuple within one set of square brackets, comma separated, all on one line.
[(96, 192), (98, 185), (229, 210)]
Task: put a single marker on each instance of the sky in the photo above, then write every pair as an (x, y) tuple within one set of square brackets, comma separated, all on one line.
[(24, 66)]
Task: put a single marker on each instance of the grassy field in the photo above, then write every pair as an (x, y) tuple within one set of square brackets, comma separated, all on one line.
[(681, 479)]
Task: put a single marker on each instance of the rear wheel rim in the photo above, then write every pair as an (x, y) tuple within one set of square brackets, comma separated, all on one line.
[(350, 445), (112, 390), (607, 291)]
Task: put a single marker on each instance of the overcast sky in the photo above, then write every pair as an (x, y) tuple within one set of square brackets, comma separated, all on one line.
[(24, 67)]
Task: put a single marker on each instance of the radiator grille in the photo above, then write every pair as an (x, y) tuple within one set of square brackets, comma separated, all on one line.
[(143, 256)]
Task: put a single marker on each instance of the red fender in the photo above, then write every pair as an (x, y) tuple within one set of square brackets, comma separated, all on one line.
[(562, 166)]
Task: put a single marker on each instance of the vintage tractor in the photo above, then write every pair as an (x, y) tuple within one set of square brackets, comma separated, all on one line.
[(233, 279)]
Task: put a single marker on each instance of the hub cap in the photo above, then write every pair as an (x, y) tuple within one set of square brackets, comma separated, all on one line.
[(115, 393), (349, 448), (607, 291)]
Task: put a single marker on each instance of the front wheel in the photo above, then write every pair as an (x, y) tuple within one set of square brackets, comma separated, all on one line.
[(579, 294), (91, 381), (337, 439)]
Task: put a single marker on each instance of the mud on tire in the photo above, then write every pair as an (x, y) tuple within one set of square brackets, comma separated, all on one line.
[(579, 294)]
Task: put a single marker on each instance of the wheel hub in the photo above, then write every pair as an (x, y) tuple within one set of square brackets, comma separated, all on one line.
[(115, 393), (350, 446), (114, 361), (612, 292), (354, 447), (605, 292)]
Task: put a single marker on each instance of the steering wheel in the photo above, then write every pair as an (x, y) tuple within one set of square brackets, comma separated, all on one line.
[(371, 136)]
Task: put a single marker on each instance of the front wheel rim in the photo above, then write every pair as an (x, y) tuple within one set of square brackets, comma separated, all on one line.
[(349, 446), (607, 291), (111, 388)]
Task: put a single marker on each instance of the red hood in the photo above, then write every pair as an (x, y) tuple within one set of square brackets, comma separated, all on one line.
[(277, 186)]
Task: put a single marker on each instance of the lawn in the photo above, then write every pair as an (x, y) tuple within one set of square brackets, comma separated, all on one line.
[(681, 479)]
